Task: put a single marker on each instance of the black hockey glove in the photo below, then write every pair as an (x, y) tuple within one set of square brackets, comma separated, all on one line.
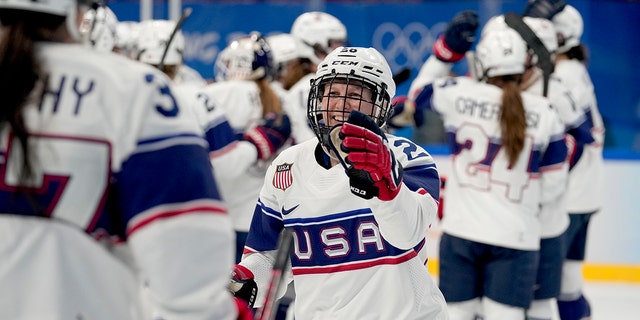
[(543, 8), (458, 37), (242, 285)]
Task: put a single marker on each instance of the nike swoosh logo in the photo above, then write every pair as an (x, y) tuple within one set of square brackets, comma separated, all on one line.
[(286, 212)]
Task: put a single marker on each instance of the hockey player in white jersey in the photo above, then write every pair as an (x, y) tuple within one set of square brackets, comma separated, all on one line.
[(320, 33), (152, 41), (359, 201), (584, 196), (553, 216), (508, 155), (93, 144), (254, 111), (98, 28), (294, 66)]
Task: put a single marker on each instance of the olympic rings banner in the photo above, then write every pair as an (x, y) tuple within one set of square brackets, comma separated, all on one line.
[(405, 32)]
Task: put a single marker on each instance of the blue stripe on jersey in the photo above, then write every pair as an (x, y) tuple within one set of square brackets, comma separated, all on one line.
[(555, 154), (175, 174), (423, 100), (329, 217), (266, 225), (219, 135), (166, 138), (425, 177)]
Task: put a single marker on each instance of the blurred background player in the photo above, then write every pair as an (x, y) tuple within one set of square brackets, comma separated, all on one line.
[(320, 33), (508, 158), (294, 62), (152, 39), (359, 201), (243, 90), (553, 215), (127, 39), (98, 28), (94, 144), (234, 153), (584, 192), (292, 59)]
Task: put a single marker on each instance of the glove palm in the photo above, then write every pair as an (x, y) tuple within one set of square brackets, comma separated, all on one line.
[(372, 167)]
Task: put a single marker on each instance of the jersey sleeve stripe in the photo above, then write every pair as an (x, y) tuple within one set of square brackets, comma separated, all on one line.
[(169, 141), (356, 265), (168, 211), (225, 150)]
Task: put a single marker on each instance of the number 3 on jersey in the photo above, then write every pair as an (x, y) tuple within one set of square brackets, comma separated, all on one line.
[(168, 106), (482, 164)]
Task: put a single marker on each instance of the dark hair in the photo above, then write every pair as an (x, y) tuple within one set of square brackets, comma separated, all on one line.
[(20, 70), (513, 122), (579, 53)]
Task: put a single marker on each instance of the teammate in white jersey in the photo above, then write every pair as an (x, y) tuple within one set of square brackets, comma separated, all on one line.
[(359, 201), (98, 28), (294, 65), (585, 181), (254, 112), (508, 155), (320, 33), (108, 154)]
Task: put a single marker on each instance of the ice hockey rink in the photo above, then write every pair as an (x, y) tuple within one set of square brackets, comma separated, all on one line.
[(613, 301)]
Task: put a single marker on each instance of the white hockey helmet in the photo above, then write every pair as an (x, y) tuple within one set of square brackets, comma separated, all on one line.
[(542, 28), (545, 31), (500, 52), (319, 29), (493, 24), (98, 28), (247, 58), (152, 42), (569, 26), (127, 38), (357, 65), (285, 47), (63, 8)]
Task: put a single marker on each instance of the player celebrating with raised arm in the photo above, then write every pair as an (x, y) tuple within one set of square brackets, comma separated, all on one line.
[(359, 202), (93, 144), (508, 155)]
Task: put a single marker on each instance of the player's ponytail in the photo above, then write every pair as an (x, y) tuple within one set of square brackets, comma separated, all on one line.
[(512, 119), (270, 101), (20, 70)]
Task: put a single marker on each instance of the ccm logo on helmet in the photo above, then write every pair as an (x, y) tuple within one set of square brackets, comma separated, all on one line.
[(344, 63)]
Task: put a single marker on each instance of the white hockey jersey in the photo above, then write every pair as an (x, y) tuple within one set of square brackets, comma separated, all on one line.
[(554, 216), (487, 200), (352, 258), (240, 185), (587, 165), (115, 156), (295, 103)]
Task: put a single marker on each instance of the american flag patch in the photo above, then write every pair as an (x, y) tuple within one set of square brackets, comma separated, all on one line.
[(282, 179)]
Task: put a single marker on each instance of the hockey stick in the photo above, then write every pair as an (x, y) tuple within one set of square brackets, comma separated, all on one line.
[(268, 312), (402, 76), (185, 15), (545, 64)]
